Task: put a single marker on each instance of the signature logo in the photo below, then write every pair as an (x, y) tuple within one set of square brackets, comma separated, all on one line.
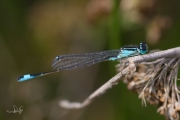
[(16, 110)]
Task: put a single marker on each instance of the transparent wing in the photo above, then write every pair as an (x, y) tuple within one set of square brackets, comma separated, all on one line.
[(73, 61)]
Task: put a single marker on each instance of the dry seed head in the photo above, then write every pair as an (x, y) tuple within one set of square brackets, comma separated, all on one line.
[(155, 82)]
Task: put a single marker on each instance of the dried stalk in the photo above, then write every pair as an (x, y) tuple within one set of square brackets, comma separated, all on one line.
[(153, 76)]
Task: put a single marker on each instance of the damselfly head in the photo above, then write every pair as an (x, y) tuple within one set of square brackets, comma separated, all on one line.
[(143, 48)]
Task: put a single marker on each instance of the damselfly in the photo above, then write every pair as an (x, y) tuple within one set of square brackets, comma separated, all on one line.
[(74, 61)]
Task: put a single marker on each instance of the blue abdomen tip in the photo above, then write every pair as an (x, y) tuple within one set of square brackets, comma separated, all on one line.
[(25, 77)]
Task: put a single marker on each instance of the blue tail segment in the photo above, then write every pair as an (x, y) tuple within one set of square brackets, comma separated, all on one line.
[(74, 61), (25, 77), (31, 76)]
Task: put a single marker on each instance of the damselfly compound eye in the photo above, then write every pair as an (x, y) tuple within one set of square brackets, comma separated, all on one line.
[(143, 48)]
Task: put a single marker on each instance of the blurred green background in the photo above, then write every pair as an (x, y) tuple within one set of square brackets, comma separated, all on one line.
[(33, 32)]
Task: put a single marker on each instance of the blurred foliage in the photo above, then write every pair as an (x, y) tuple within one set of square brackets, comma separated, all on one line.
[(33, 32)]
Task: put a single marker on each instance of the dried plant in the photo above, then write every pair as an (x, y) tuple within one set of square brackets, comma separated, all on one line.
[(156, 83), (153, 76)]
